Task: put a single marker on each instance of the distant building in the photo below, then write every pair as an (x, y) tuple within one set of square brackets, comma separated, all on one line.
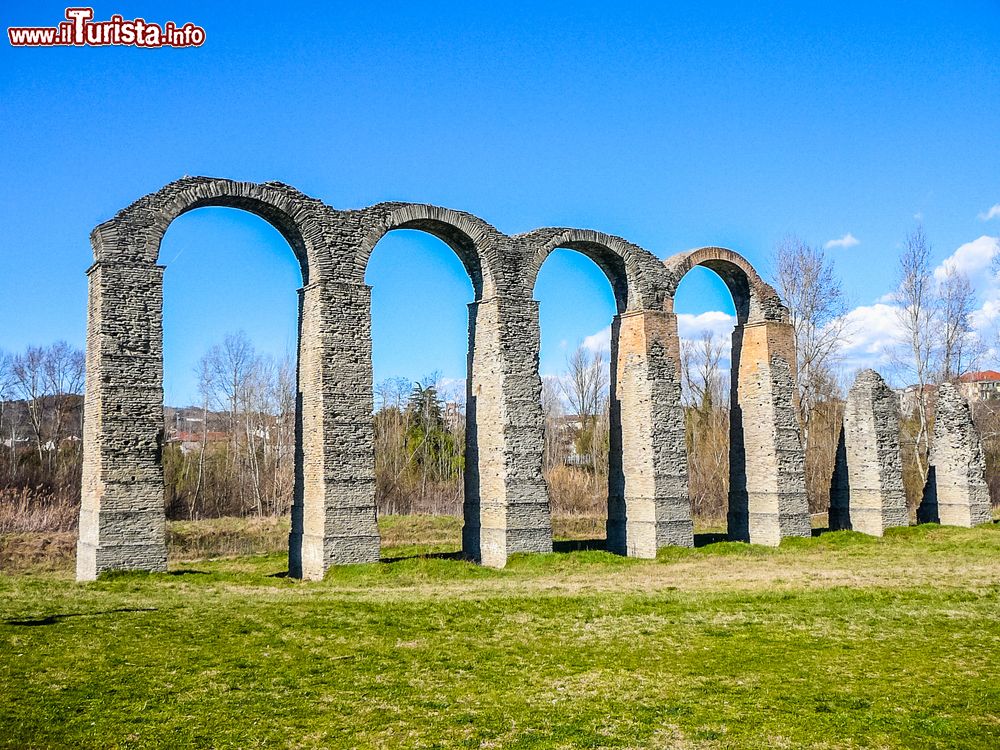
[(980, 386), (977, 387), (191, 441), (909, 397)]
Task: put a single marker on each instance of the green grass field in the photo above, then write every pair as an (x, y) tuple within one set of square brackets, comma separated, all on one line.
[(839, 641)]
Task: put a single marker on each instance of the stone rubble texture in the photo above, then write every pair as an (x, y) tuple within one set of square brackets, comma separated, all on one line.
[(506, 506), (956, 493), (866, 493)]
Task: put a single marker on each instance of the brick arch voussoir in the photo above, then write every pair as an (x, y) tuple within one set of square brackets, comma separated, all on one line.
[(135, 233), (756, 300)]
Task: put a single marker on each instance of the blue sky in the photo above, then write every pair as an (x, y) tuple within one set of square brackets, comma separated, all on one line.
[(732, 125)]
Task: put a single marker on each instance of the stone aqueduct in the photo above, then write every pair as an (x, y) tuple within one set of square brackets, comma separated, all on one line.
[(122, 524)]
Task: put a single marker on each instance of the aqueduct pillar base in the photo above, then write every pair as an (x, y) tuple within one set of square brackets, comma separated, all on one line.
[(867, 493), (122, 521), (333, 515), (767, 494), (648, 504), (956, 493), (506, 503)]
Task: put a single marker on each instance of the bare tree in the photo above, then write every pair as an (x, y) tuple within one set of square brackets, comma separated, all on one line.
[(63, 371), (918, 320), (6, 392), (585, 389), (702, 377), (229, 367), (554, 412), (809, 286), (706, 424), (205, 391), (257, 395), (959, 348), (390, 441), (284, 469), (30, 384), (6, 376)]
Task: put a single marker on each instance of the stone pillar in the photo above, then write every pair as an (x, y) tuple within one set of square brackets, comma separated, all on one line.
[(122, 522), (333, 516), (767, 493), (506, 503), (867, 493), (648, 503), (956, 493)]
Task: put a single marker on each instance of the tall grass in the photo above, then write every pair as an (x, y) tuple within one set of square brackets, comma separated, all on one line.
[(25, 509)]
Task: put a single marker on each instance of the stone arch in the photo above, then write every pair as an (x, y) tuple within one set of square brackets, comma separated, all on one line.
[(122, 515), (505, 509), (135, 233), (648, 505), (476, 243), (767, 499), (634, 272), (754, 299)]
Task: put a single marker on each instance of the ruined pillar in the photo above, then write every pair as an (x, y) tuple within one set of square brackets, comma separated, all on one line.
[(648, 503), (122, 521), (506, 505), (333, 515), (767, 493), (867, 491), (956, 493)]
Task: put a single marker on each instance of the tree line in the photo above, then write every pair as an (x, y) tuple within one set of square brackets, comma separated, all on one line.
[(41, 418)]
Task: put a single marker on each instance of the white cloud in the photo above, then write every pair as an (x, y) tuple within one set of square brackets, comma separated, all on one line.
[(598, 342), (718, 323), (993, 213), (974, 259), (986, 317), (870, 333), (848, 240)]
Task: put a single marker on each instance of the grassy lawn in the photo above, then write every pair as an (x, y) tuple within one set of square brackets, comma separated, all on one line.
[(837, 641)]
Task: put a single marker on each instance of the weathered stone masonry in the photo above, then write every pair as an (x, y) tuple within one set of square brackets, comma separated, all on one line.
[(956, 493), (866, 493), (767, 493), (506, 504)]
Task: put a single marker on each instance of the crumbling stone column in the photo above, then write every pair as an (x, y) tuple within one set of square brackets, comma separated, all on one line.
[(122, 522), (648, 504), (333, 516), (867, 490), (767, 494), (506, 503), (956, 493)]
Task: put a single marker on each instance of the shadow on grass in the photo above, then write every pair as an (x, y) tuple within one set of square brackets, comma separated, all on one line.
[(54, 619), (703, 540), (426, 556), (580, 545), (187, 573)]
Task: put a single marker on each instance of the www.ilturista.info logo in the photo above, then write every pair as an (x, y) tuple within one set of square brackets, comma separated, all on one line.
[(80, 30)]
